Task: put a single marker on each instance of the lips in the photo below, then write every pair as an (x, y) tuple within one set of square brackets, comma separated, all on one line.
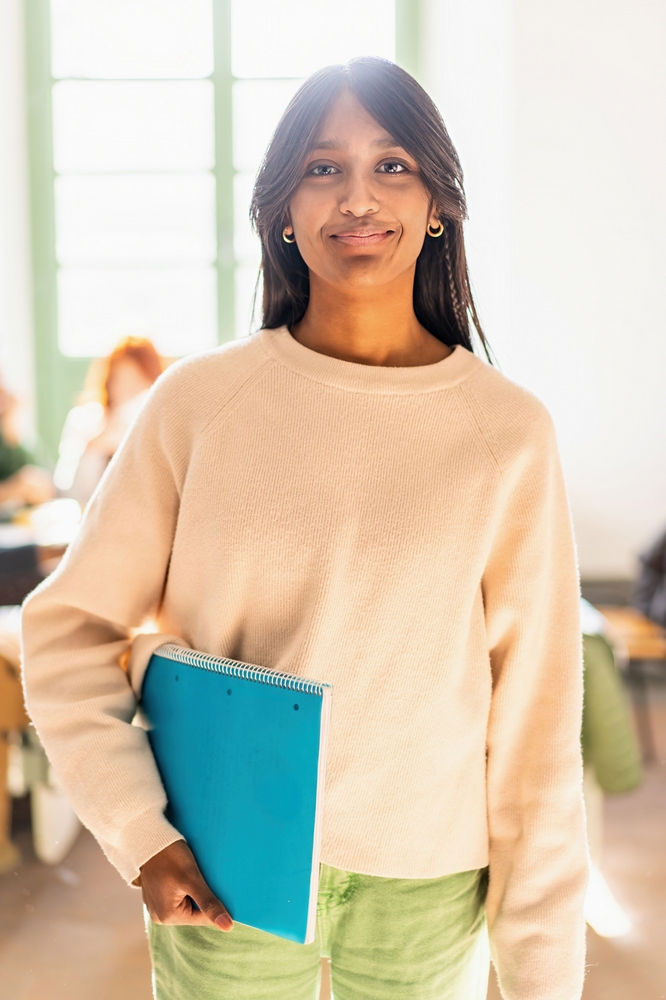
[(363, 237)]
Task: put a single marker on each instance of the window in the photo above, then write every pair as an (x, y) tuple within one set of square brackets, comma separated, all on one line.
[(134, 154), (148, 120)]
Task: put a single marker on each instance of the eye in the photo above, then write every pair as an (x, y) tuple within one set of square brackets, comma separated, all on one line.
[(392, 167), (324, 170)]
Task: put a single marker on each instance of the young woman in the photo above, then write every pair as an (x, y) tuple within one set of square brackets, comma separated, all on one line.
[(352, 495)]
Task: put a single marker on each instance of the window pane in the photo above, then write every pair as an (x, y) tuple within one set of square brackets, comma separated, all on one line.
[(140, 219), (292, 38), (246, 282), (132, 38), (175, 307), (258, 107), (107, 127), (246, 244)]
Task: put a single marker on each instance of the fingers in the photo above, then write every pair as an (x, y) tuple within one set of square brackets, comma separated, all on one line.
[(176, 907), (210, 906), (172, 884)]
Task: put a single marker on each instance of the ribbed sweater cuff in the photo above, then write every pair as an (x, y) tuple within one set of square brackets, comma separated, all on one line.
[(144, 837)]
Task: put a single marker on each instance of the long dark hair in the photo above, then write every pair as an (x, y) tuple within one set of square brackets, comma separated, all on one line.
[(443, 300)]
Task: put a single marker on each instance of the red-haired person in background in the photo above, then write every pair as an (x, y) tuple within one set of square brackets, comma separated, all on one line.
[(115, 390)]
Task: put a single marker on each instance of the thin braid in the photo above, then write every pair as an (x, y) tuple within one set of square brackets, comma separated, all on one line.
[(455, 301)]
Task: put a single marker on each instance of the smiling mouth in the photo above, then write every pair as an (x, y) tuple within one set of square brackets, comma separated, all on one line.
[(363, 238)]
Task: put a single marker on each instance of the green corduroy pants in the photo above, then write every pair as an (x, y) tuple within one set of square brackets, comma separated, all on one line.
[(387, 938)]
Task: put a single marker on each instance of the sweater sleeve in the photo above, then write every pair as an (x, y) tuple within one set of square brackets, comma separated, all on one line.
[(538, 852), (77, 629)]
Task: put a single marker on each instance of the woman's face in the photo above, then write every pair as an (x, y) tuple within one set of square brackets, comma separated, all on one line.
[(361, 210), (126, 381)]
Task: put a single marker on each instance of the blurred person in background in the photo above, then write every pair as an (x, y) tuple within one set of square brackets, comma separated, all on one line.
[(115, 390), (649, 594), (22, 482)]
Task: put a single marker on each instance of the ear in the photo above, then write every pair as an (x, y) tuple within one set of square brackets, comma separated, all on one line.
[(435, 217)]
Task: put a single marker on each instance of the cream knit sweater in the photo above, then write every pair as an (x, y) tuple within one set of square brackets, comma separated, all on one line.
[(402, 533)]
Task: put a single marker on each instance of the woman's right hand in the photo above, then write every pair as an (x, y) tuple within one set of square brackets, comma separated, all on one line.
[(170, 881)]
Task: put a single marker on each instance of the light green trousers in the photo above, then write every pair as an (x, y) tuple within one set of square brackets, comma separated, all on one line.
[(387, 938)]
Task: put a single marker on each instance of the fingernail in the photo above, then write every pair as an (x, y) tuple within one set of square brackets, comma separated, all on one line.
[(224, 921)]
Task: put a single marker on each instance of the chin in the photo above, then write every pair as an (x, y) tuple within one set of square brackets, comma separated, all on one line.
[(363, 271)]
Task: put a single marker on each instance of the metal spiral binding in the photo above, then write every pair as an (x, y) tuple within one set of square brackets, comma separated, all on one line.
[(244, 671)]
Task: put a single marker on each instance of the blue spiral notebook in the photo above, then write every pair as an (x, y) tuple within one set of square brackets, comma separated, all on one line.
[(241, 750)]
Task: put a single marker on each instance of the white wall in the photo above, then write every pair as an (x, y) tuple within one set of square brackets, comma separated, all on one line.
[(16, 357), (558, 110)]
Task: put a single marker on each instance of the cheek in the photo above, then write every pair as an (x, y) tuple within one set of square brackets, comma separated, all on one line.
[(413, 208), (308, 217), (308, 213), (413, 218)]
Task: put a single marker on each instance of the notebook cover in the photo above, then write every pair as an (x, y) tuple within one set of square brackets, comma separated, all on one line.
[(241, 751)]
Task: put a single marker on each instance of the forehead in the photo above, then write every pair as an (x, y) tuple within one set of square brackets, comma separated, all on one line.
[(348, 125), (125, 362)]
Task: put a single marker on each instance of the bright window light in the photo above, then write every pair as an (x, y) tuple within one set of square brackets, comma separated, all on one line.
[(257, 108), (134, 152), (141, 219), (247, 249), (293, 38), (145, 126), (247, 284), (175, 307), (135, 39)]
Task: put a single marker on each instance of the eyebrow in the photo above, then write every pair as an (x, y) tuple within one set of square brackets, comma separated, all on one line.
[(386, 143)]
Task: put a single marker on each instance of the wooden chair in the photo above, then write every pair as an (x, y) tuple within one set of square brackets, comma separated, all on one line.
[(644, 646), (13, 716)]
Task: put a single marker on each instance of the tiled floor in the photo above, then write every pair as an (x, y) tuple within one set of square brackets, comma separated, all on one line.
[(75, 932)]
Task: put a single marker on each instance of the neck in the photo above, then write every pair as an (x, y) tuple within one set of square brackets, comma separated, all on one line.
[(373, 325)]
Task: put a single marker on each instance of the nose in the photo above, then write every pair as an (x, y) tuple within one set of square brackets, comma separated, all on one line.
[(358, 197)]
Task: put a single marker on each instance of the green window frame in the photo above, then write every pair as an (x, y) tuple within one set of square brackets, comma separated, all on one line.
[(58, 378)]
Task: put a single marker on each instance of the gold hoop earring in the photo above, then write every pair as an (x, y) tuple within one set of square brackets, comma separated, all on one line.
[(438, 232), (287, 238)]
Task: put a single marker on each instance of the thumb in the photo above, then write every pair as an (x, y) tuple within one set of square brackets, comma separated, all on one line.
[(209, 904)]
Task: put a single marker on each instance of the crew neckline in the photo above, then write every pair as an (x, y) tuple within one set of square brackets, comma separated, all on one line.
[(357, 377)]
